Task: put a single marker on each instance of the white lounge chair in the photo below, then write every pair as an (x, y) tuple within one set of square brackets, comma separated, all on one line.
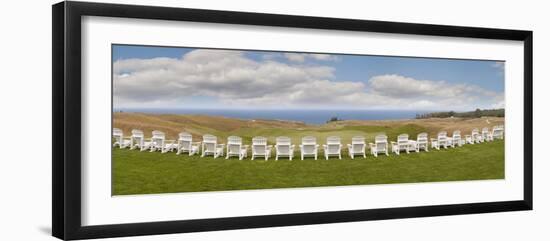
[(333, 147), (422, 142), (120, 141), (498, 132), (440, 141), (235, 147), (159, 143), (380, 145), (137, 139), (283, 148), (401, 144), (260, 148), (486, 135), (357, 147), (186, 144), (309, 147), (210, 146), (456, 139)]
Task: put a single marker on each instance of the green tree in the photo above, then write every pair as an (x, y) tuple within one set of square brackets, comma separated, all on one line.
[(477, 113)]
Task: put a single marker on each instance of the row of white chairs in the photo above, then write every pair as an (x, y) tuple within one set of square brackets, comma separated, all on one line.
[(308, 148)]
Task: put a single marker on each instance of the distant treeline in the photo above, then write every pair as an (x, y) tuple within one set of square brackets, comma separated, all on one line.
[(470, 114)]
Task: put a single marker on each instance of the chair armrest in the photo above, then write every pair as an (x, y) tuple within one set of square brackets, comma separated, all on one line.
[(372, 145), (270, 147), (393, 142), (325, 146), (349, 145)]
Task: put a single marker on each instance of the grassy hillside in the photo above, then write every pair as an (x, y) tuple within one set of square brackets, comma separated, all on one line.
[(137, 172), (224, 127)]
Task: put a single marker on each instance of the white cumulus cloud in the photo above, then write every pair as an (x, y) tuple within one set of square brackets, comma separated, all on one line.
[(230, 78)]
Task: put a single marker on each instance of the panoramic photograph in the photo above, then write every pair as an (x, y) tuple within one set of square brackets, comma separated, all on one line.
[(188, 119)]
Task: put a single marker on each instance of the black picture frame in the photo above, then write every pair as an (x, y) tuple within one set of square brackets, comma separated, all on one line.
[(66, 128)]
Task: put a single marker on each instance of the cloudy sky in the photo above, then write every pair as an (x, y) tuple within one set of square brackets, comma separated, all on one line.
[(186, 78)]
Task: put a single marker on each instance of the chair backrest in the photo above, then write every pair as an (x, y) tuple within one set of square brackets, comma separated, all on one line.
[(185, 140), (381, 142), (282, 143), (358, 140), (442, 136), (333, 140), (456, 135), (422, 138), (358, 143), (209, 143), (485, 130), (137, 133), (117, 132), (333, 144), (498, 131), (475, 132), (403, 139), (234, 144), (157, 138), (308, 144), (137, 137), (259, 145), (118, 135)]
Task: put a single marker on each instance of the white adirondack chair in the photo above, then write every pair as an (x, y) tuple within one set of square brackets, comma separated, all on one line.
[(498, 132), (357, 147), (260, 148), (186, 144), (309, 147), (456, 139), (422, 142), (401, 144), (284, 148), (210, 146), (486, 135), (159, 143), (333, 147), (120, 141), (235, 147), (137, 139), (476, 138), (440, 141), (380, 145)]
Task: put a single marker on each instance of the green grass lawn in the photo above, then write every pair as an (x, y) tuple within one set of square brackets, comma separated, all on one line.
[(137, 172)]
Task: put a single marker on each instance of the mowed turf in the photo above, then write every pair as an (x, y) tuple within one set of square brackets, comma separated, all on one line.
[(136, 172)]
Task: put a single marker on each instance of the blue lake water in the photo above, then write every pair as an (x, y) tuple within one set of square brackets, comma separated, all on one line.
[(306, 116)]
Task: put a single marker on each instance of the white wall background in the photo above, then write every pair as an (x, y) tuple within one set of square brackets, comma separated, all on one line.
[(25, 101)]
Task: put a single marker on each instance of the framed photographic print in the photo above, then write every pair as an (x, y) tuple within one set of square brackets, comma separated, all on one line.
[(170, 120)]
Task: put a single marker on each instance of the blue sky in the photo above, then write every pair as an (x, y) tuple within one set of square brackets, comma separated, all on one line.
[(166, 77)]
